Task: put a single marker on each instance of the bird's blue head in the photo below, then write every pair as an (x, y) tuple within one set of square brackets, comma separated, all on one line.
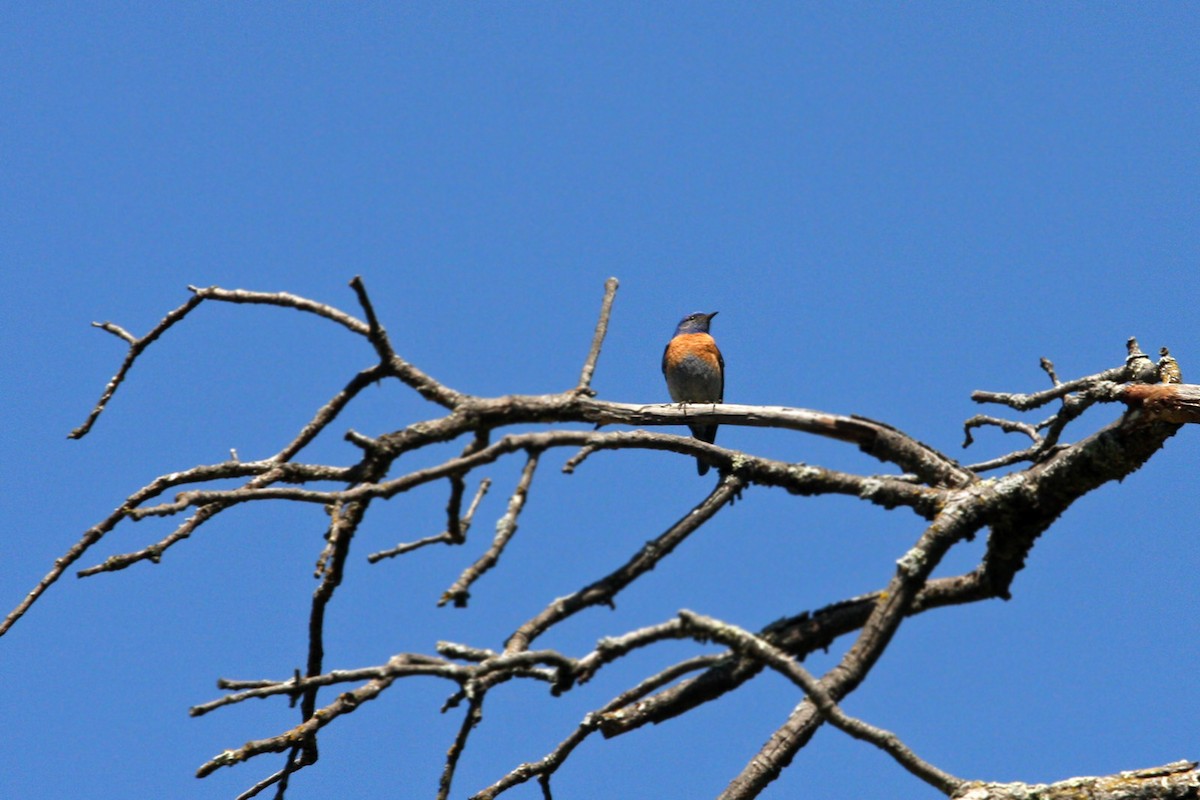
[(695, 323)]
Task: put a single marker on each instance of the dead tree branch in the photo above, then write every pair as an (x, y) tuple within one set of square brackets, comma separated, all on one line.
[(955, 503), (1176, 781)]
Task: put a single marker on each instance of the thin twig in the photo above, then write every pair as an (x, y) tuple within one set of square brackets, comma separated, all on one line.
[(1006, 425), (472, 718), (397, 666), (301, 735), (284, 300), (1137, 367), (429, 388), (447, 536), (136, 346), (574, 461), (97, 532), (456, 523), (264, 784), (506, 527), (1048, 367), (282, 469), (589, 364), (1027, 402)]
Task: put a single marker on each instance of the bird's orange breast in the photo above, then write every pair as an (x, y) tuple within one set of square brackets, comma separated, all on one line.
[(695, 345)]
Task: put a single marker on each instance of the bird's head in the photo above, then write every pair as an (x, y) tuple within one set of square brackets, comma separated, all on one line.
[(695, 323)]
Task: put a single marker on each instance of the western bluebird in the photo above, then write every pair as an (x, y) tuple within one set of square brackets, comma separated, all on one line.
[(695, 371)]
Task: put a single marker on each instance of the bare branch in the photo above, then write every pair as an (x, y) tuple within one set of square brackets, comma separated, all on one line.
[(796, 478), (284, 300), (548, 765), (605, 589), (301, 735), (1176, 781), (456, 526), (589, 364), (1137, 367), (97, 532), (375, 331), (116, 330), (1048, 367), (472, 718), (459, 592), (1008, 426), (1027, 402), (136, 346), (798, 636), (397, 666), (280, 469), (748, 644), (1040, 494), (263, 785), (426, 386), (960, 518), (447, 536)]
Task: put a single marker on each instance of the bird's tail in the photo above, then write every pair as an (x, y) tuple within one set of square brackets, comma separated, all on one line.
[(705, 433)]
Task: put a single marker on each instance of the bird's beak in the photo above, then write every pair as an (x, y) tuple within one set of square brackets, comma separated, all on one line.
[(713, 314)]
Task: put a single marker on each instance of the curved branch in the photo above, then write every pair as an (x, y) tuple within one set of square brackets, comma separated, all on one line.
[(796, 478)]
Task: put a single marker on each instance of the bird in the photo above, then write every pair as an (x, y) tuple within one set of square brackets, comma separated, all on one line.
[(695, 371)]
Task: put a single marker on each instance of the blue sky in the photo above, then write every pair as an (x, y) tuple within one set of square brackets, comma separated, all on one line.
[(890, 206)]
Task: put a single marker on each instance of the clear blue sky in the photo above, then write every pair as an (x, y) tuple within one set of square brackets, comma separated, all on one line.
[(890, 205)]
